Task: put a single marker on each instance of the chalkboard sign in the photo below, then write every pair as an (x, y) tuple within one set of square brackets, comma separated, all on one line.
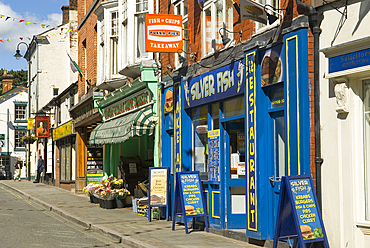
[(189, 200), (299, 215), (158, 189), (214, 155)]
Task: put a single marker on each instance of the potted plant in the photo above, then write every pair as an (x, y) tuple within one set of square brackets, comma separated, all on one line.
[(120, 195), (28, 139)]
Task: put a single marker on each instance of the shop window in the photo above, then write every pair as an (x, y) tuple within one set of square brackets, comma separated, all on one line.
[(17, 138), (200, 138), (20, 112), (215, 116), (366, 110), (216, 15), (233, 107), (65, 161)]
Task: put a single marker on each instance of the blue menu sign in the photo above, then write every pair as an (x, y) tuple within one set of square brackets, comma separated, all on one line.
[(349, 61), (214, 155), (189, 200), (299, 215)]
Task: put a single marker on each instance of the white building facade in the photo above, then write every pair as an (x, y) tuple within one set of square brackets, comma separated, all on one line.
[(345, 122), (51, 74), (13, 126)]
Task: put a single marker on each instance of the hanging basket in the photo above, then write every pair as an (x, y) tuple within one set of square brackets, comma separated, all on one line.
[(29, 141)]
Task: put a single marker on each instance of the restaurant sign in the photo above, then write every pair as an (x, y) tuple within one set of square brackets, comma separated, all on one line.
[(63, 130), (163, 33), (126, 105)]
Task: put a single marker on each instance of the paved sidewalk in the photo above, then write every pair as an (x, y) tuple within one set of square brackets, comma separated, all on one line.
[(122, 224)]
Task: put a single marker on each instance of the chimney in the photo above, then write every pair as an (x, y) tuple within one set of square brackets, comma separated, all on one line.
[(7, 81), (73, 4), (65, 10)]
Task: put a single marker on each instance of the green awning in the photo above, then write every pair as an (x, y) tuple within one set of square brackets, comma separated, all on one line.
[(125, 127)]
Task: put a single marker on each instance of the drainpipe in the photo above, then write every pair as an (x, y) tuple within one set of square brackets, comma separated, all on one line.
[(315, 19)]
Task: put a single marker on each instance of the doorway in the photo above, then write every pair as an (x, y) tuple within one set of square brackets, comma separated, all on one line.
[(235, 174)]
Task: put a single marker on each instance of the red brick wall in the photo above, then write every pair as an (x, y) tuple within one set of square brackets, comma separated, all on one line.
[(87, 36)]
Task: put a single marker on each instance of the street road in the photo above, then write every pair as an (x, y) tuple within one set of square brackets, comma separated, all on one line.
[(27, 224)]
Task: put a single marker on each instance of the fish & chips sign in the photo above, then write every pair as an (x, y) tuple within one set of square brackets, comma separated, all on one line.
[(163, 33)]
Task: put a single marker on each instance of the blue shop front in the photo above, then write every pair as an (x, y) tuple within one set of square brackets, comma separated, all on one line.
[(243, 125)]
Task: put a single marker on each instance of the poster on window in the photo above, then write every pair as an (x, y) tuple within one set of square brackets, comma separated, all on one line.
[(163, 33), (42, 126)]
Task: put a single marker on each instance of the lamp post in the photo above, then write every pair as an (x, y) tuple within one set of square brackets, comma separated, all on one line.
[(18, 55)]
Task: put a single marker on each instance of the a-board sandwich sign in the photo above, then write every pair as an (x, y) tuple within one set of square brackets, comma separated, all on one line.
[(189, 199), (299, 215), (158, 189)]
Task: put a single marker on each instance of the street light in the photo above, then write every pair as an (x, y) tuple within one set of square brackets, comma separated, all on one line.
[(18, 55)]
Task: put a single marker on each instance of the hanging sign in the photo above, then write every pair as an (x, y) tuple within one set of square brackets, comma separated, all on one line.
[(42, 126), (298, 212), (168, 107), (189, 199), (215, 85), (163, 33), (214, 155), (62, 130), (30, 123), (251, 10), (158, 189)]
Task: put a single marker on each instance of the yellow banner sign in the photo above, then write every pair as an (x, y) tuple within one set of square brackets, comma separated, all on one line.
[(62, 130), (30, 123)]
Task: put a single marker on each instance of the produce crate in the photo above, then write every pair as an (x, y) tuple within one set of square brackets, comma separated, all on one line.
[(143, 210)]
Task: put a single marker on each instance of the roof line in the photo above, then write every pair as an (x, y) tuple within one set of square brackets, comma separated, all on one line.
[(88, 13)]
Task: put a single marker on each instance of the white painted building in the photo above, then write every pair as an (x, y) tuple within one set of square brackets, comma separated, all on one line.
[(13, 125), (121, 41), (51, 72), (345, 122)]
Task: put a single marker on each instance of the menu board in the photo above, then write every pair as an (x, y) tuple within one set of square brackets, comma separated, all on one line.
[(298, 212), (191, 194), (305, 206), (158, 189), (158, 186), (189, 200), (214, 155), (94, 176)]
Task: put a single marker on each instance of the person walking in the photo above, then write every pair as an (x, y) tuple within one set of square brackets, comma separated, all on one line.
[(40, 168), (18, 168)]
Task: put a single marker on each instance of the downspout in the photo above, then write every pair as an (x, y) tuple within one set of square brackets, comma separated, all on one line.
[(315, 19)]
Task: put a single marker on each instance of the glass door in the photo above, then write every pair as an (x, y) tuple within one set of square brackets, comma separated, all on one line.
[(235, 174)]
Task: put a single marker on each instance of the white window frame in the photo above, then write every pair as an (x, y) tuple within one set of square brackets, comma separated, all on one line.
[(113, 39), (24, 109), (260, 28), (18, 133), (214, 36), (124, 33), (182, 5), (139, 13)]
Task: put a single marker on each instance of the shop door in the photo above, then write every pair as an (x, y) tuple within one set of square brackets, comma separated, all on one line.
[(235, 174), (278, 165)]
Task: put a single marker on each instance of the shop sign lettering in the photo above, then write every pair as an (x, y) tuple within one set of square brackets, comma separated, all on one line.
[(177, 127), (215, 85), (349, 61), (126, 105), (251, 144)]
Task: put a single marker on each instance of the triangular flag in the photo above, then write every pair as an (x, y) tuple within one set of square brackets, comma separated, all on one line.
[(35, 23), (1, 16), (41, 37), (77, 31), (47, 36), (61, 29), (14, 19), (21, 38), (54, 34), (69, 30), (1, 40), (28, 38), (7, 18), (8, 40), (43, 25), (47, 25), (21, 21), (28, 23)]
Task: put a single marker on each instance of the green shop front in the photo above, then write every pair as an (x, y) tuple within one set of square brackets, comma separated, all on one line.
[(128, 132)]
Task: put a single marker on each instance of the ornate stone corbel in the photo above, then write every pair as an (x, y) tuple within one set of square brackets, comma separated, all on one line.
[(341, 95)]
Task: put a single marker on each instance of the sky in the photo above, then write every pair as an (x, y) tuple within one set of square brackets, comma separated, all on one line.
[(46, 12)]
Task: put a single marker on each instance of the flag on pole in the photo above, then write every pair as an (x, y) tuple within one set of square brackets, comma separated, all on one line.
[(74, 66)]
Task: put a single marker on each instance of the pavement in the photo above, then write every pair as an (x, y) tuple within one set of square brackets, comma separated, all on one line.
[(121, 224)]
